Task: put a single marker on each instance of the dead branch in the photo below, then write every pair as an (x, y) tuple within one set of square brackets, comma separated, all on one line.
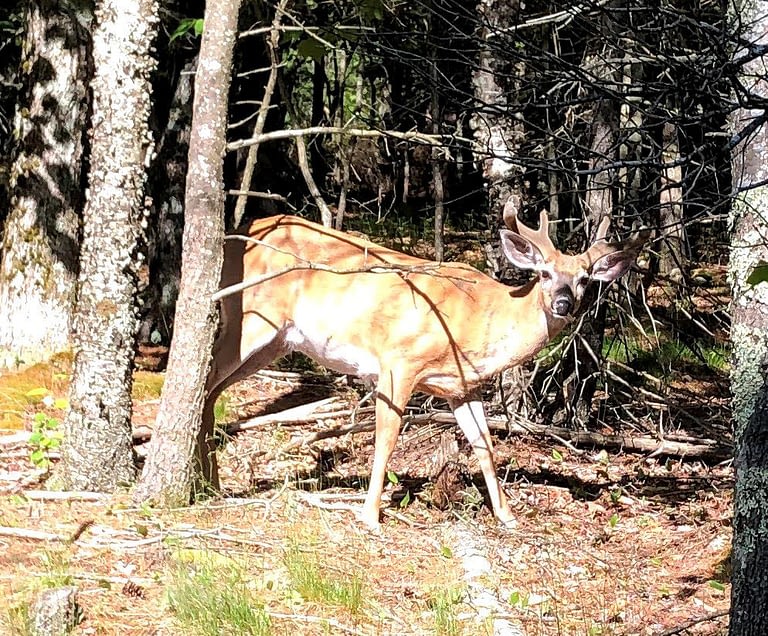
[(276, 135), (272, 43), (261, 195), (705, 448), (300, 414), (325, 212), (33, 535), (692, 623), (65, 495)]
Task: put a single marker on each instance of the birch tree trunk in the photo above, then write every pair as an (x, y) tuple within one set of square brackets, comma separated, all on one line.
[(171, 465), (749, 334), (40, 248), (97, 450)]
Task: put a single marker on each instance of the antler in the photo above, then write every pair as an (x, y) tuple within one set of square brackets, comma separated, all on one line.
[(539, 238), (601, 247)]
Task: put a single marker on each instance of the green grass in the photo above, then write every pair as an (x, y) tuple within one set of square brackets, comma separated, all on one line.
[(444, 604), (210, 596), (315, 582), (668, 355)]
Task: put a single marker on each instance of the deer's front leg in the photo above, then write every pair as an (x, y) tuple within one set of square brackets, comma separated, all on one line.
[(392, 393), (471, 419)]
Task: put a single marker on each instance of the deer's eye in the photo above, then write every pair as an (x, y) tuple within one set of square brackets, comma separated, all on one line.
[(545, 275), (582, 280)]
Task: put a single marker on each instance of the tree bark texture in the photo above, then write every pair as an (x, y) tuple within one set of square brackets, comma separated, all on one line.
[(580, 367), (40, 249), (749, 372), (171, 464), (97, 453), (496, 133)]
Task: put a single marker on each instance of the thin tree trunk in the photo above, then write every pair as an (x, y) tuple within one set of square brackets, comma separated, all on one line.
[(172, 465), (580, 370), (273, 45), (671, 206), (40, 250), (98, 453)]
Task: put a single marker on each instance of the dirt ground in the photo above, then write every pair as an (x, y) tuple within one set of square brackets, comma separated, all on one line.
[(606, 542)]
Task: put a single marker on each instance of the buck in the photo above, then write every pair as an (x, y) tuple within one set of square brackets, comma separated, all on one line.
[(404, 323)]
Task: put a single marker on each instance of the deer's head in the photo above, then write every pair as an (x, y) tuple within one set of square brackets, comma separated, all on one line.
[(563, 278)]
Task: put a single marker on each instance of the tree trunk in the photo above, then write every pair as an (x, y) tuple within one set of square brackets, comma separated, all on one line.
[(497, 135), (671, 219), (580, 362), (171, 465), (166, 189), (97, 451), (749, 372), (40, 249)]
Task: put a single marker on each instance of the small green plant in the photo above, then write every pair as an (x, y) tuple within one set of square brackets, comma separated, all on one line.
[(209, 596), (316, 583), (45, 437), (17, 620), (56, 569), (444, 604)]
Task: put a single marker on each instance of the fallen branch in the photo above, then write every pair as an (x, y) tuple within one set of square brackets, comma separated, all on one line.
[(65, 495), (706, 448), (33, 535)]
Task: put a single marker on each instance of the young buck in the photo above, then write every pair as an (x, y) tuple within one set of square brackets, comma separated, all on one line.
[(405, 323)]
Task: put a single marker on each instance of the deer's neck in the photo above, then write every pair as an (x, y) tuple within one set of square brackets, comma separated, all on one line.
[(532, 321)]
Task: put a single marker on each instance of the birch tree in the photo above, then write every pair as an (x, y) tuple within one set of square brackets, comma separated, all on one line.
[(97, 453), (749, 335)]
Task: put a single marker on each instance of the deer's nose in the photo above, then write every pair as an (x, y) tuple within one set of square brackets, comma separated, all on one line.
[(562, 302)]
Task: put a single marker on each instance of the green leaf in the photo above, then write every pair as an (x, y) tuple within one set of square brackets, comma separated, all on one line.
[(392, 477), (759, 274), (35, 438), (37, 457), (557, 455), (613, 520), (406, 500), (311, 48), (446, 552), (717, 585), (61, 404), (39, 392), (185, 26)]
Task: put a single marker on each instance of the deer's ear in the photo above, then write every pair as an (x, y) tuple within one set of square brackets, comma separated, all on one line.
[(520, 251), (608, 268)]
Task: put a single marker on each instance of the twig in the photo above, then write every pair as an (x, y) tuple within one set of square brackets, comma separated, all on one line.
[(320, 435), (65, 495), (34, 535), (332, 622), (696, 621)]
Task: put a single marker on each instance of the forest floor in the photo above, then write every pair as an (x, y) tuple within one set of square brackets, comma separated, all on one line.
[(606, 542)]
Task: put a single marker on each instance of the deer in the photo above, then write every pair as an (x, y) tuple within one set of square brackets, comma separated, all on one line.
[(403, 323)]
